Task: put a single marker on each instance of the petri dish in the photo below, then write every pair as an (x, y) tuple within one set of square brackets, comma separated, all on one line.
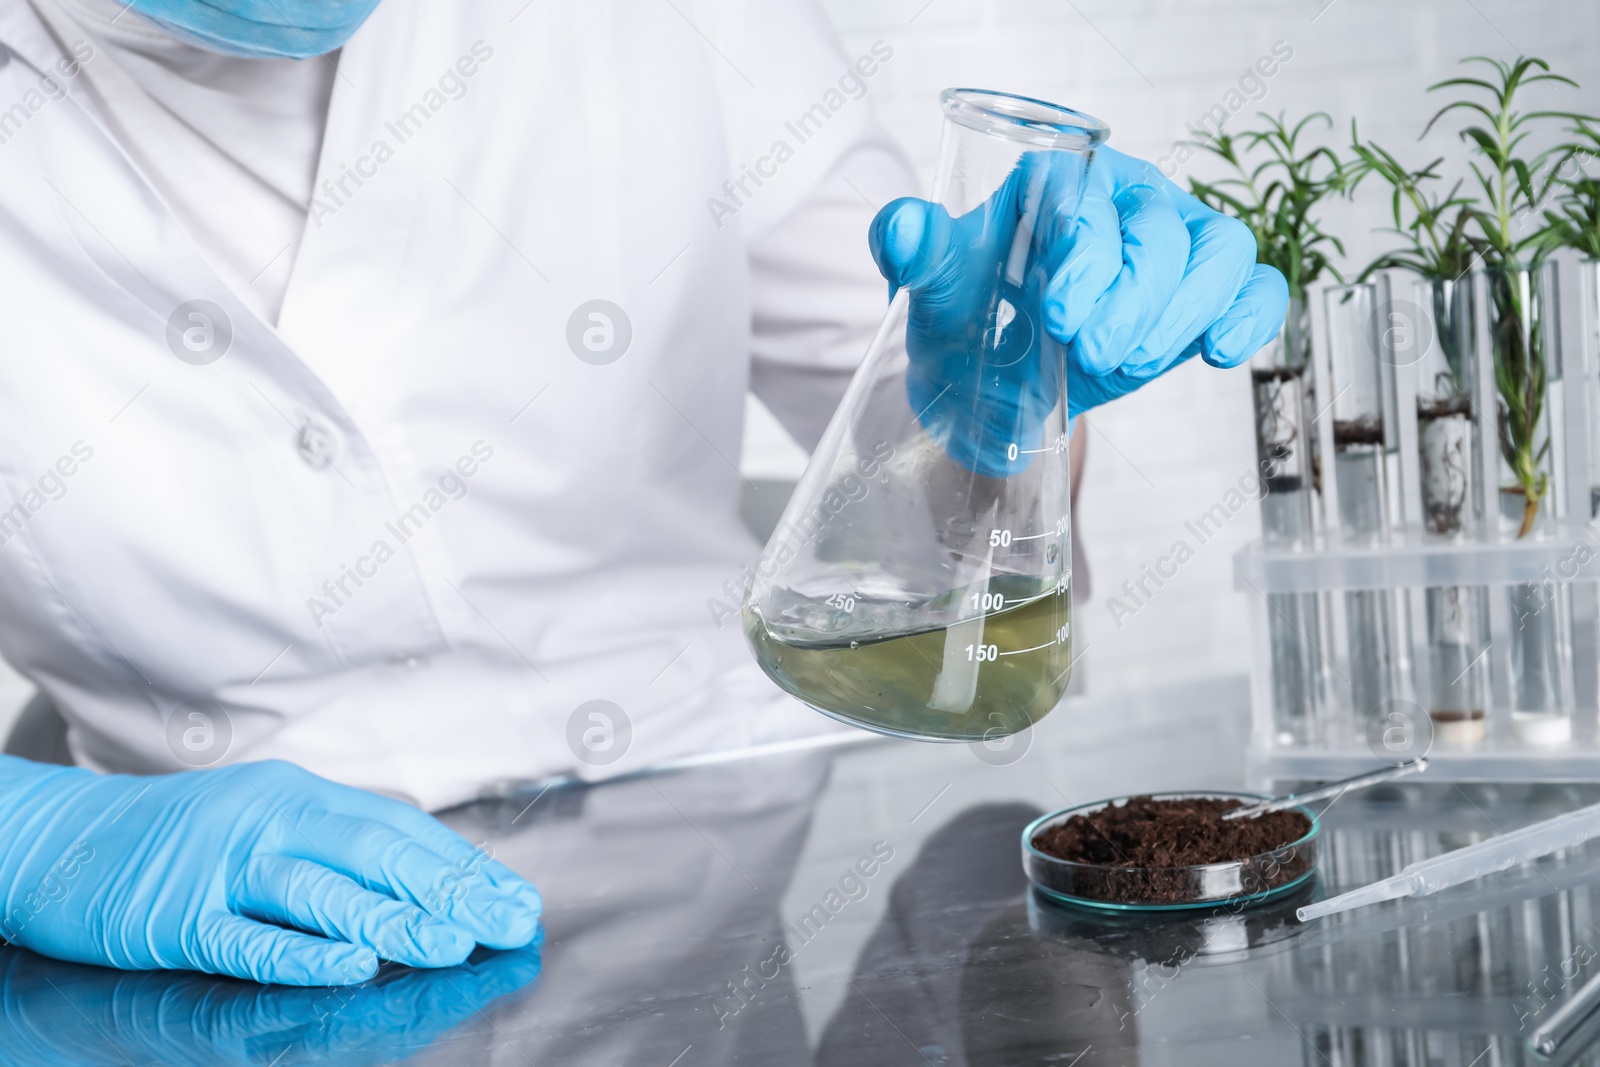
[(1109, 888), (1221, 932)]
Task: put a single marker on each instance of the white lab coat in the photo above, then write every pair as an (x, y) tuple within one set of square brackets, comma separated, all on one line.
[(202, 545)]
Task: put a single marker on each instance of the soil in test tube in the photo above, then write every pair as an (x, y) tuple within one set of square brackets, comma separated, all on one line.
[(1367, 430), (975, 680), (1148, 834)]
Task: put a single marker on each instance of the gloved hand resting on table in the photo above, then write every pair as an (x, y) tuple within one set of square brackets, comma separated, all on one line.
[(1146, 278), (221, 871)]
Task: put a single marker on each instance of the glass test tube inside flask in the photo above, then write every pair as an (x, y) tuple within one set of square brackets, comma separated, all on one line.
[(919, 582)]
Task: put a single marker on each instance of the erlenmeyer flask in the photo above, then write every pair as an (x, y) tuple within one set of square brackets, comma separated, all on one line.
[(919, 583)]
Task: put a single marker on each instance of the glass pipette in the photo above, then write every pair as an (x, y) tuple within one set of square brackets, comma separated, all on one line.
[(1332, 789), (1426, 877)]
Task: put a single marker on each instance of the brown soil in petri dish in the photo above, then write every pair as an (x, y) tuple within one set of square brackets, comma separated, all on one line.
[(1146, 846)]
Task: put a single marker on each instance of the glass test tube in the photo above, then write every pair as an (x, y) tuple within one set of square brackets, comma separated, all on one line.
[(1589, 279), (1281, 386), (1524, 335), (1589, 286), (1450, 447), (1365, 435)]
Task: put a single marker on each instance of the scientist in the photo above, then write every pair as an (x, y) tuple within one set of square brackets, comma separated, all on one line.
[(373, 388)]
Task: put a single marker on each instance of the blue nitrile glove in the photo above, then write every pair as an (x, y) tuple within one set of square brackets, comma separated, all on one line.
[(1147, 277), (221, 870), (54, 1013), (259, 29)]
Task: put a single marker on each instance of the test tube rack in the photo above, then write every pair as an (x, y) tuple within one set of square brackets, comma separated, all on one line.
[(1567, 556)]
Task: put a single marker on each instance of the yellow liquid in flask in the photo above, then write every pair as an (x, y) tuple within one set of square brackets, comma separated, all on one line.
[(974, 680)]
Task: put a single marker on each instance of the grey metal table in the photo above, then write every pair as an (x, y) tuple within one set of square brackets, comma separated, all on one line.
[(865, 905)]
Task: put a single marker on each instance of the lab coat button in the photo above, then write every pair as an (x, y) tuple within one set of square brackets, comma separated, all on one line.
[(316, 444)]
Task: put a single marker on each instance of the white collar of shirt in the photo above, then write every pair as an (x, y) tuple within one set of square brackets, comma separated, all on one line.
[(230, 143)]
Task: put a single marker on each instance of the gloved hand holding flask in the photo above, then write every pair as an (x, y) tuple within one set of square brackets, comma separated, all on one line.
[(919, 581), (1133, 280)]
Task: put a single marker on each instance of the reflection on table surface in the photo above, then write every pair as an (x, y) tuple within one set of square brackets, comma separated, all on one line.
[(867, 906)]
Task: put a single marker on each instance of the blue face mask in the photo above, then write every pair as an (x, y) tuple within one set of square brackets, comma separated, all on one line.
[(292, 29)]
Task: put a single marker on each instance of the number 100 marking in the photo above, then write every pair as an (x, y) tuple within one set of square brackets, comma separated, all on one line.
[(988, 601)]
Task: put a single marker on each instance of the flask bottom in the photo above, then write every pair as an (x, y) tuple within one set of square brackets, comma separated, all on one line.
[(974, 680)]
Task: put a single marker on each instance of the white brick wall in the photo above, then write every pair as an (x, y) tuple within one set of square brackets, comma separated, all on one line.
[(1148, 66)]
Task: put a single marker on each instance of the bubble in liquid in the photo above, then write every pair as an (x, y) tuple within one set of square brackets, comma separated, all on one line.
[(1051, 551), (855, 644)]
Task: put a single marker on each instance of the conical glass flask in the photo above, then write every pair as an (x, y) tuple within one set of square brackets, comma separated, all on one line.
[(919, 583)]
